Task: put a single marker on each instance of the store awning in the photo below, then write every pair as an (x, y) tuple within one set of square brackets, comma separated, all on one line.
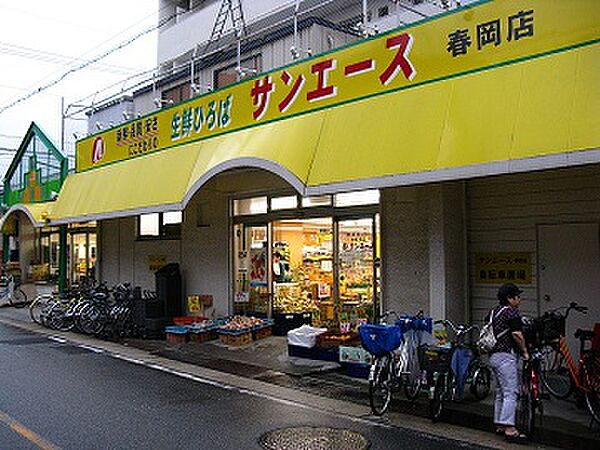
[(166, 180), (491, 122), (37, 213)]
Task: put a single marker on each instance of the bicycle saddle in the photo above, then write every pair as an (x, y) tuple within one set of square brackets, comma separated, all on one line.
[(586, 335)]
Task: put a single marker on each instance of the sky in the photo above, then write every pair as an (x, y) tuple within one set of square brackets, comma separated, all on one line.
[(42, 41)]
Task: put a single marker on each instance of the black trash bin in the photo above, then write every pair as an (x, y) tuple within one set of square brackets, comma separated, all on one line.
[(168, 289)]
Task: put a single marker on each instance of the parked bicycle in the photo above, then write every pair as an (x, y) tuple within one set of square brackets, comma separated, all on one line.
[(530, 395), (92, 310), (557, 362), (415, 330), (10, 292), (395, 362), (454, 367), (559, 372)]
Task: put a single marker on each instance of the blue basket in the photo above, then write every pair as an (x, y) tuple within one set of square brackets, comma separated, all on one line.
[(380, 339)]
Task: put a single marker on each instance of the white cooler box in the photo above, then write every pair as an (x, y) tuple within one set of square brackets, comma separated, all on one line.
[(305, 336)]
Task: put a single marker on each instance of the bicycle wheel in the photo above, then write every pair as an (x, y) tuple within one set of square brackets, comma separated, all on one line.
[(555, 374), (436, 402), (91, 319), (412, 385), (526, 408), (58, 317), (36, 307), (18, 299), (380, 389), (481, 382)]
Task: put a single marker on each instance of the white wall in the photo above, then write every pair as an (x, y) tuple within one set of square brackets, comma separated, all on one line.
[(423, 251), (504, 212), (124, 259), (205, 250)]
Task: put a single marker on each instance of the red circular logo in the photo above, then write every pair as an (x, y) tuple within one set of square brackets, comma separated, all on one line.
[(97, 150)]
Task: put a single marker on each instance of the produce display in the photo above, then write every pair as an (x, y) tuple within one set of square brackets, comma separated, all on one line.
[(242, 323), (289, 298)]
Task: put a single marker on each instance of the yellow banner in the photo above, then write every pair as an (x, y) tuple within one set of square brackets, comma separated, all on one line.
[(503, 267), (487, 34)]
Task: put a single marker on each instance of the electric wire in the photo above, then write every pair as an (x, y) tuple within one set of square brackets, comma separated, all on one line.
[(87, 63)]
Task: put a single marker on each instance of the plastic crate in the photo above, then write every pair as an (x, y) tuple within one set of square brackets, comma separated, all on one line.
[(235, 338), (176, 335), (199, 336), (262, 332)]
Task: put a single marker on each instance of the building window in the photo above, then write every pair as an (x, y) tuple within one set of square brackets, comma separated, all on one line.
[(288, 202), (228, 75), (358, 198), (248, 206), (160, 225), (177, 94), (317, 200)]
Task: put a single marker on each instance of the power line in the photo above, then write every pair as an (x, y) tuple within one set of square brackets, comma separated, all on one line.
[(86, 64), (55, 58)]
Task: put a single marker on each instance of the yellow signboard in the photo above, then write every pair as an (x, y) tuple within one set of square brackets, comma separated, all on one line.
[(479, 37), (503, 267), (193, 303), (155, 262)]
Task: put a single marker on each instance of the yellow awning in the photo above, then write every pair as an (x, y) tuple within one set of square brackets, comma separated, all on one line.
[(166, 180), (37, 213), (537, 114)]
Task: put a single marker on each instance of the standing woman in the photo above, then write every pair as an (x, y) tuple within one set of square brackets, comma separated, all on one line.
[(504, 359)]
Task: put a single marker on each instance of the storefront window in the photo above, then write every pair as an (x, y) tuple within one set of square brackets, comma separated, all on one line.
[(149, 224), (319, 200), (288, 202), (172, 218), (356, 277), (251, 291), (302, 267), (83, 251), (326, 264), (358, 198), (247, 206), (164, 225)]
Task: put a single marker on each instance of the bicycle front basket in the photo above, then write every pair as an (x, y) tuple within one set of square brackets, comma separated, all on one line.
[(380, 339), (550, 328)]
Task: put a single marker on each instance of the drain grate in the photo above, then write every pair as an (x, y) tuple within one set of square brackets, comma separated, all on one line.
[(312, 438)]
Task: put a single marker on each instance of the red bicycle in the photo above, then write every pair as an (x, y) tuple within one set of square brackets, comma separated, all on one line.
[(560, 374)]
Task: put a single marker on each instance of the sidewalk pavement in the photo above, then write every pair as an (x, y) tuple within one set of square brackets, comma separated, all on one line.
[(564, 424)]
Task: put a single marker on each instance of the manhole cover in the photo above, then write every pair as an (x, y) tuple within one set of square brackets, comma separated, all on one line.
[(310, 438)]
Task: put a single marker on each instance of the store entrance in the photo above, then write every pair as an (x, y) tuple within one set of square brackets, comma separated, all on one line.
[(325, 266), (357, 279), (82, 261)]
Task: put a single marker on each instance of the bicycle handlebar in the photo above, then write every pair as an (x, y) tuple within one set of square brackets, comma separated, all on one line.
[(459, 330), (573, 305), (388, 313)]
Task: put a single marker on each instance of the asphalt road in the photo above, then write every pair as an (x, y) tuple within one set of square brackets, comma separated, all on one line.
[(56, 395)]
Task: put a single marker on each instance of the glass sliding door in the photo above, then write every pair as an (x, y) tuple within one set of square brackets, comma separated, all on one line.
[(251, 290), (357, 284), (79, 257), (302, 267)]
